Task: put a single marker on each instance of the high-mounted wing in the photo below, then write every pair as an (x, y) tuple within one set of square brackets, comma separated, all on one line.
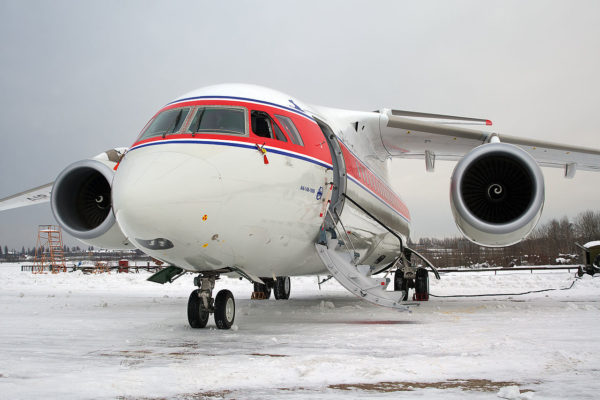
[(433, 136), (497, 187), (40, 194)]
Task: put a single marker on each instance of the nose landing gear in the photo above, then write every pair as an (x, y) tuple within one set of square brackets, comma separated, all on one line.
[(201, 304)]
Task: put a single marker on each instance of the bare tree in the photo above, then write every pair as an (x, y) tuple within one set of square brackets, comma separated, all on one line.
[(545, 244), (587, 226)]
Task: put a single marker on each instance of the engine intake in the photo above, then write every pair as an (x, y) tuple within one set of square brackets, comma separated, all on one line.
[(81, 199), (497, 194)]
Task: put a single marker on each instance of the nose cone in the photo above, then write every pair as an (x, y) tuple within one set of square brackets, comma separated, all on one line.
[(163, 198)]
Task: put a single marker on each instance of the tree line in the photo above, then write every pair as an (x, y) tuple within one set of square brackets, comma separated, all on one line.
[(5, 253), (550, 243), (71, 253)]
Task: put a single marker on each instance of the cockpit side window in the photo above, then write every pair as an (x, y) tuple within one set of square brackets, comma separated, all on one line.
[(218, 120), (166, 123), (264, 126), (290, 129), (278, 134), (261, 124)]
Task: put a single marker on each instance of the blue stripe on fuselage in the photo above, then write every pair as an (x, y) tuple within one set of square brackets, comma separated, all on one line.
[(237, 144), (247, 99)]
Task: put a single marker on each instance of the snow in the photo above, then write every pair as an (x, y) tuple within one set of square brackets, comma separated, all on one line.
[(592, 244), (512, 393), (106, 336)]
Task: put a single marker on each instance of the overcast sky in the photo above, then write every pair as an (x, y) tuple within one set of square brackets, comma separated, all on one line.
[(79, 77)]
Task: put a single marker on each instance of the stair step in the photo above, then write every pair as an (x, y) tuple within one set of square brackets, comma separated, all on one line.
[(357, 279)]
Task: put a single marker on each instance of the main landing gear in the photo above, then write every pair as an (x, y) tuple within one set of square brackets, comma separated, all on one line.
[(408, 276), (281, 285), (201, 304), (282, 288), (419, 280), (262, 291)]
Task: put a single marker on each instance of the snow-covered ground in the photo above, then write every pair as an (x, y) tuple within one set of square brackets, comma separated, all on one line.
[(74, 336)]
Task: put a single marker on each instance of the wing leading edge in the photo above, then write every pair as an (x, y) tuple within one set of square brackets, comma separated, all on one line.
[(40, 194), (414, 136)]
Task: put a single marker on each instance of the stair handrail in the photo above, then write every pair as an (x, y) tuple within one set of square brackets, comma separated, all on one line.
[(376, 220), (346, 233)]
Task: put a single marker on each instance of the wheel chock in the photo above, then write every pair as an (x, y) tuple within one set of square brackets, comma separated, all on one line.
[(258, 296), (421, 297)]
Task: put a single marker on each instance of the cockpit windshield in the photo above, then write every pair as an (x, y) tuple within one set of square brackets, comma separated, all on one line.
[(218, 120), (166, 123), (203, 119)]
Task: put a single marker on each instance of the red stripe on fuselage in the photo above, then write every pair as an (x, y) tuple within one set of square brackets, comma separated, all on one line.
[(361, 173), (314, 143)]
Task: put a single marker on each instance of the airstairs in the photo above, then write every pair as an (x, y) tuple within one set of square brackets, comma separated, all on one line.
[(340, 261)]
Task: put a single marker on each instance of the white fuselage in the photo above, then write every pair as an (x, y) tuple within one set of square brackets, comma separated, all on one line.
[(220, 202)]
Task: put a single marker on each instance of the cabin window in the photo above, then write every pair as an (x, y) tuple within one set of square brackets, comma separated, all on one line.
[(166, 123), (264, 126), (290, 129), (218, 120)]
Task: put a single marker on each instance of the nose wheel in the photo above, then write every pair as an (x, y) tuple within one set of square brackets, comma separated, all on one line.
[(224, 309), (197, 312), (201, 304)]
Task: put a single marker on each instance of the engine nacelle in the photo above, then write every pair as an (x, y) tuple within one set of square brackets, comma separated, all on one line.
[(497, 194), (82, 205)]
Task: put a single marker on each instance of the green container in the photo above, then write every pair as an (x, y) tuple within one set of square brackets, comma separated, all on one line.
[(591, 254)]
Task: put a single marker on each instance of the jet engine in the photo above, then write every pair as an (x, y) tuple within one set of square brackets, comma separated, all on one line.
[(497, 194), (81, 201)]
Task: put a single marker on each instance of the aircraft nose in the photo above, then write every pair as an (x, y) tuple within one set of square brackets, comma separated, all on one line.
[(161, 196)]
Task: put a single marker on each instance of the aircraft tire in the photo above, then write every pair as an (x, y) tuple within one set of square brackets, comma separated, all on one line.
[(401, 284), (259, 287), (282, 288), (224, 309), (197, 314)]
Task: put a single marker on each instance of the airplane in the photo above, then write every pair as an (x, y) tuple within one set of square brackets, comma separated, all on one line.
[(242, 180)]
